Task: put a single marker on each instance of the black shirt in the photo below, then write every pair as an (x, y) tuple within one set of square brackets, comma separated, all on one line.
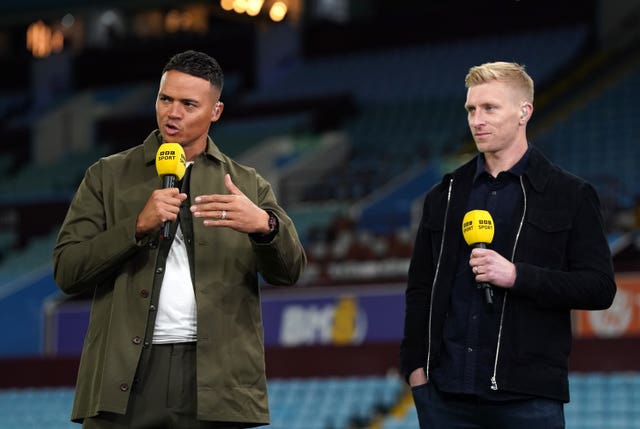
[(470, 334)]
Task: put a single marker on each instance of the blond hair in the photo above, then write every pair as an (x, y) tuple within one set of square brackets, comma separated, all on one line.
[(512, 74)]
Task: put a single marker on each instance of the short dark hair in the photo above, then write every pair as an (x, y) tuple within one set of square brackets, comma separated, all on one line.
[(197, 64)]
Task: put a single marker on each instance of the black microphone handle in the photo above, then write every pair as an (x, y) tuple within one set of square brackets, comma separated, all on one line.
[(488, 293), (168, 181), (488, 290)]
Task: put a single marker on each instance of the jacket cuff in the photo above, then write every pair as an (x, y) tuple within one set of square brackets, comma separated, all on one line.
[(527, 281)]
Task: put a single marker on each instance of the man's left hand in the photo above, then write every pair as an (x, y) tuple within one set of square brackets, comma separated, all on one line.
[(233, 210)]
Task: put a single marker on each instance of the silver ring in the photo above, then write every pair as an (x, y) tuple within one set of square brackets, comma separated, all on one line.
[(223, 215), (475, 270)]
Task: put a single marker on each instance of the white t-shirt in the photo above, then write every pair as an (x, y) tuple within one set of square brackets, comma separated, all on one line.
[(176, 318)]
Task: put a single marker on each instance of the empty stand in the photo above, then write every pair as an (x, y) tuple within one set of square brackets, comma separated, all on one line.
[(598, 401), (599, 140), (424, 71)]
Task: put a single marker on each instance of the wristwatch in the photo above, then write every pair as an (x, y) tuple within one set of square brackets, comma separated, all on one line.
[(273, 223), (266, 237)]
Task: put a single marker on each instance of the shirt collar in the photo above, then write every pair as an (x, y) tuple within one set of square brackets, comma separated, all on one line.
[(517, 170)]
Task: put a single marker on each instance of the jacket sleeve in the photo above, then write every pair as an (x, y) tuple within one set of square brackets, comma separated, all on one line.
[(586, 279), (413, 349), (282, 260), (86, 251)]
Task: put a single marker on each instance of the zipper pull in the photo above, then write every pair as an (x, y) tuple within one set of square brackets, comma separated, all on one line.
[(494, 383)]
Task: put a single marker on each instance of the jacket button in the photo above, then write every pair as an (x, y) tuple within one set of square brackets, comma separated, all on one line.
[(144, 293), (153, 244), (136, 340), (124, 387), (152, 307), (159, 270)]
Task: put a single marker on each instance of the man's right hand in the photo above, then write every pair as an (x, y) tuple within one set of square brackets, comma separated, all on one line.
[(163, 205), (418, 377)]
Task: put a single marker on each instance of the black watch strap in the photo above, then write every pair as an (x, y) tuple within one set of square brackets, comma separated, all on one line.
[(274, 226)]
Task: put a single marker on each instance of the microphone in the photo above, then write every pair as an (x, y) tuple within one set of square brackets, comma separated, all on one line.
[(171, 163), (477, 229)]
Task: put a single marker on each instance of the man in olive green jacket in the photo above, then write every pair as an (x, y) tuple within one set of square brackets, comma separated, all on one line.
[(233, 230)]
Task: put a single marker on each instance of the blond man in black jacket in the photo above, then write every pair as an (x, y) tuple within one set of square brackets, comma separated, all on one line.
[(506, 365)]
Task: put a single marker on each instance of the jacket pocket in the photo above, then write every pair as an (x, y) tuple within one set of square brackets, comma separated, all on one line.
[(545, 237)]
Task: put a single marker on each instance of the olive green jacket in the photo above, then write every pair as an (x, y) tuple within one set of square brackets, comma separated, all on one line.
[(97, 250)]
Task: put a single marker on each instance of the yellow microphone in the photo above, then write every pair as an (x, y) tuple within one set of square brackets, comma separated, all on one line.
[(171, 163), (477, 230)]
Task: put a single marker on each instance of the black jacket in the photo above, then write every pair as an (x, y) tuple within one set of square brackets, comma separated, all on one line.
[(562, 260)]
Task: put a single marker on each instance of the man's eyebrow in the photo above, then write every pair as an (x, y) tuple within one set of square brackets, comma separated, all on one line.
[(189, 100), (182, 100)]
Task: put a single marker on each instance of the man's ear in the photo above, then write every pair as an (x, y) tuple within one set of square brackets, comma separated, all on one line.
[(217, 111), (525, 111)]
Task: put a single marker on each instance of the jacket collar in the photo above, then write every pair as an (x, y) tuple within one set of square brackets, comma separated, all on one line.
[(154, 140), (538, 170)]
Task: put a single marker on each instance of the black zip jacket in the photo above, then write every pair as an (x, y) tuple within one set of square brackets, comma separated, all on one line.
[(563, 262)]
